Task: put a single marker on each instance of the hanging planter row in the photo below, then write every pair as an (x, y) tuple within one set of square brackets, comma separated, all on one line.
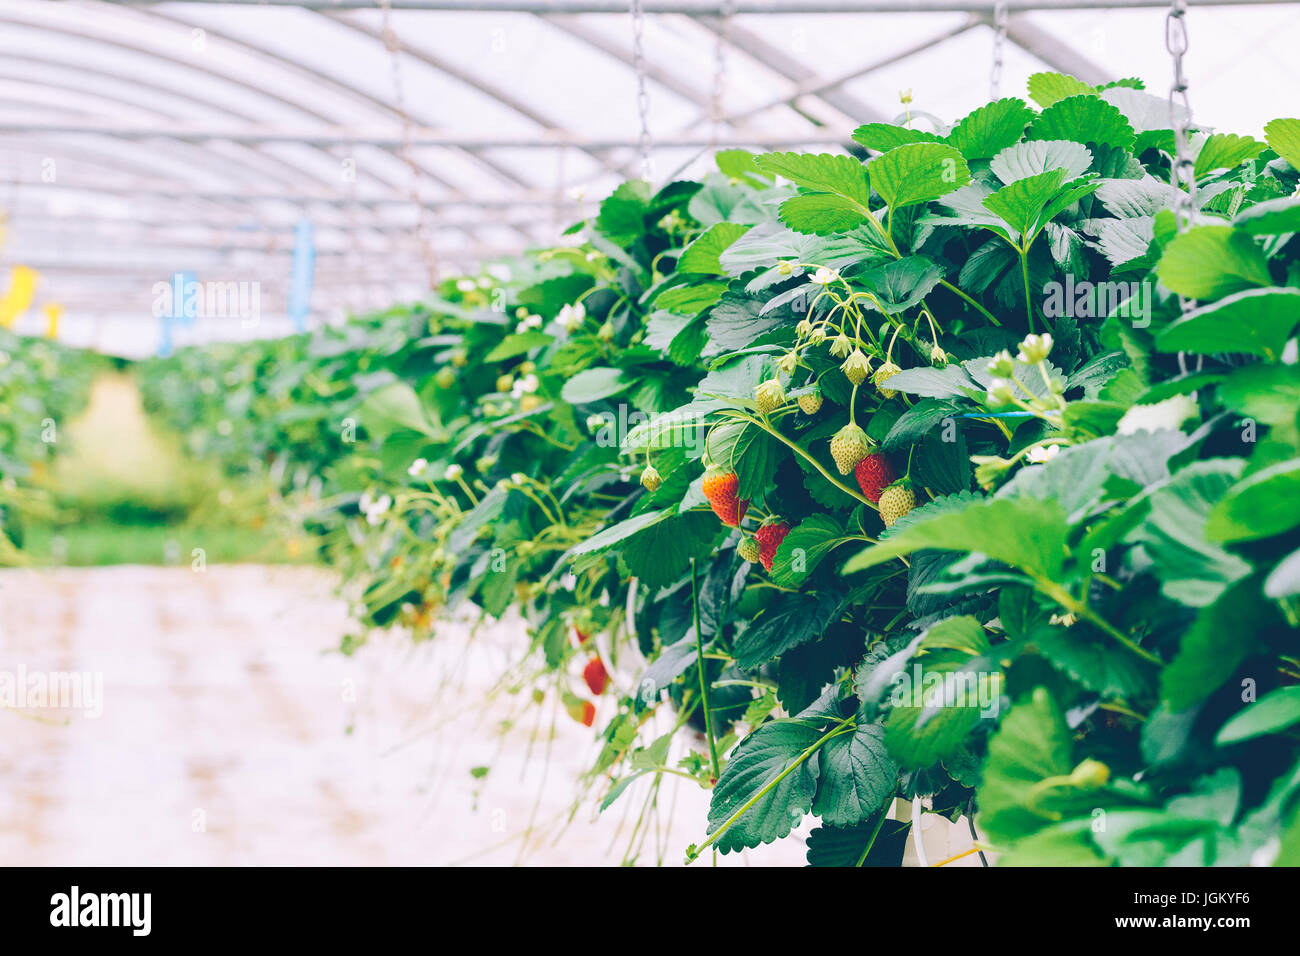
[(962, 474)]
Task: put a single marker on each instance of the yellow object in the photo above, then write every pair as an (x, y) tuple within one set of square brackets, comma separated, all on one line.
[(22, 287), (53, 311)]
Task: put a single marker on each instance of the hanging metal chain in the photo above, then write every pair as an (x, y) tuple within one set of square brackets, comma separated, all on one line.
[(716, 113), (642, 94), (422, 231), (1182, 169), (999, 45)]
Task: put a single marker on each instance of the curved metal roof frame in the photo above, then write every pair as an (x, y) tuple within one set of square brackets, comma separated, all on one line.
[(170, 153)]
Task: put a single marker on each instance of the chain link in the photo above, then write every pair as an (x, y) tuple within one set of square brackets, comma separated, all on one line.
[(1182, 168), (999, 45), (642, 94)]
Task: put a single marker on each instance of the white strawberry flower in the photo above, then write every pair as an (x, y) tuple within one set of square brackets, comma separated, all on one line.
[(1041, 454), (378, 508), (571, 316), (418, 468), (824, 276), (1035, 348), (1000, 391), (453, 472)]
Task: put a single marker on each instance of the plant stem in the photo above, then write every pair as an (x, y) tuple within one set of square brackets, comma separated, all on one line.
[(701, 665), (970, 301), (884, 812), (814, 462), (1063, 597), (1024, 275)]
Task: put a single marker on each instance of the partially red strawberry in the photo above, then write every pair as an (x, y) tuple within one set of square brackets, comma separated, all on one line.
[(874, 473), (595, 675), (769, 538), (720, 488), (583, 711), (582, 636)]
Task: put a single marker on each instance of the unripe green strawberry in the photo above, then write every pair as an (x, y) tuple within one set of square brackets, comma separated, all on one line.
[(749, 550), (896, 501), (650, 478), (811, 402), (769, 396), (856, 366), (1090, 774), (884, 374), (848, 447)]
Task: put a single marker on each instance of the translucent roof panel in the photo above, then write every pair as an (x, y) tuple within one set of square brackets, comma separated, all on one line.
[(139, 138)]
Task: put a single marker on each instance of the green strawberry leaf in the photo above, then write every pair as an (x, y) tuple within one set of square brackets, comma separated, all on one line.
[(1264, 503), (1047, 88), (1276, 710), (1209, 262), (1025, 533), (804, 548), (1033, 158), (701, 256), (767, 786), (1225, 151), (992, 128), (917, 173), (1283, 137), (1085, 118), (856, 776)]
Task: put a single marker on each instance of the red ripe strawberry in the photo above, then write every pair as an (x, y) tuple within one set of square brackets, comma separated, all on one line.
[(583, 711), (720, 488), (595, 675), (769, 538), (873, 473)]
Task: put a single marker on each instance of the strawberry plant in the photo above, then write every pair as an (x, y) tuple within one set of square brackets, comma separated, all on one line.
[(42, 385), (962, 472)]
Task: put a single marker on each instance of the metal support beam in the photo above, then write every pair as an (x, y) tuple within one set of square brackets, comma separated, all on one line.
[(1033, 39), (791, 67), (713, 8), (336, 136), (820, 87)]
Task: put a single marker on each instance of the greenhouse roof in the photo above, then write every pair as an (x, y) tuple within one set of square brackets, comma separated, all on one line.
[(421, 137)]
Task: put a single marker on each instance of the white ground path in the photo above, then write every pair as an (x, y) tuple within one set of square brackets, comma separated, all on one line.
[(224, 737), (232, 733)]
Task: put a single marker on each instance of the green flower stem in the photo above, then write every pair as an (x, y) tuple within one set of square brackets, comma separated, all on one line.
[(1064, 598), (468, 491), (702, 668), (884, 812), (970, 301), (811, 460), (1024, 275), (847, 724)]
